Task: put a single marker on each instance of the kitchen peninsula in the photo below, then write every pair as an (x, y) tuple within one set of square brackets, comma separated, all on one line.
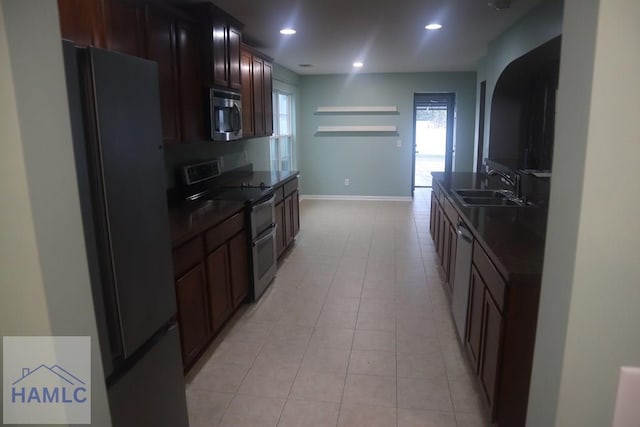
[(503, 287)]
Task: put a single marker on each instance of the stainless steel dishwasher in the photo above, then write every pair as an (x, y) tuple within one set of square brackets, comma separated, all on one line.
[(462, 270)]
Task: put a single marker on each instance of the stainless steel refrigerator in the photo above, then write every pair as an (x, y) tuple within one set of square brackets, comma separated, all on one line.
[(114, 103)]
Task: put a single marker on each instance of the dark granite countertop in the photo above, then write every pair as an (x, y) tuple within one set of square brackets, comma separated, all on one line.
[(513, 237), (270, 179), (187, 219)]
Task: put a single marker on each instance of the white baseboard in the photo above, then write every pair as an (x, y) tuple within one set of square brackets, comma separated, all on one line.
[(356, 198)]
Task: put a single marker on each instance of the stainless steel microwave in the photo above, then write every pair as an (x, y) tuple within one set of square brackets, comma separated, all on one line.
[(225, 115)]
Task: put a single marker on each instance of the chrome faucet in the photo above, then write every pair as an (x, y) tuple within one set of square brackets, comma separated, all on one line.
[(508, 179)]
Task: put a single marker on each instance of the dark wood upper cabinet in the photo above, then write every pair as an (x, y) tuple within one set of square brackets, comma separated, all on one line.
[(108, 24), (258, 96), (160, 46), (246, 77), (81, 21), (222, 38), (190, 82), (235, 37), (123, 23), (267, 81), (257, 102)]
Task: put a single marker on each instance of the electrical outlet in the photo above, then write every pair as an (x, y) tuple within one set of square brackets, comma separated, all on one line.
[(221, 161), (346, 181), (399, 143), (245, 155)]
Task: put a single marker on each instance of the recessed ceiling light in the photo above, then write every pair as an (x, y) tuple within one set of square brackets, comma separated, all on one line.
[(433, 26), (358, 64), (287, 31)]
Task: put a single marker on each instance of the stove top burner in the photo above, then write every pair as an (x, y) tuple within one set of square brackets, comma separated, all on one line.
[(250, 195)]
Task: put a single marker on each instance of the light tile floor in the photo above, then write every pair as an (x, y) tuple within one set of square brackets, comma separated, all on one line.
[(354, 331)]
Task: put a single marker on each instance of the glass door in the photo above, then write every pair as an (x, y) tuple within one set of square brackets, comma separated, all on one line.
[(433, 136)]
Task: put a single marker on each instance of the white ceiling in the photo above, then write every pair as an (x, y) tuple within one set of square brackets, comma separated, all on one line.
[(388, 36)]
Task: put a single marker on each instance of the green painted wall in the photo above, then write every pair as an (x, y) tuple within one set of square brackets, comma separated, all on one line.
[(588, 319), (543, 23), (374, 164)]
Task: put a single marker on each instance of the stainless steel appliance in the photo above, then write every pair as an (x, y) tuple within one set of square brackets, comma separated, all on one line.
[(263, 236), (460, 298), (225, 115), (114, 105), (198, 180), (262, 219)]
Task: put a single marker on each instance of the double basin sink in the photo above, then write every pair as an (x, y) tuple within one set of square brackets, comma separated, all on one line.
[(489, 198)]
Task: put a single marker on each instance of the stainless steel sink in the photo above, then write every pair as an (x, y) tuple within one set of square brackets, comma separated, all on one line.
[(497, 194), (488, 201), (489, 198)]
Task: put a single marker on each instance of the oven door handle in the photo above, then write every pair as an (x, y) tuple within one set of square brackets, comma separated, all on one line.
[(270, 201), (268, 236)]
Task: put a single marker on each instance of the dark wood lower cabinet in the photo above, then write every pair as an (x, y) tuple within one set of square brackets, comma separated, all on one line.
[(212, 280), (491, 343), (287, 216), (239, 266), (193, 318), (288, 231), (474, 318), (295, 213), (280, 228), (501, 314), (218, 283)]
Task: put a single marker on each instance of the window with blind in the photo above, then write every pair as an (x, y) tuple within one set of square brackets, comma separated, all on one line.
[(282, 142)]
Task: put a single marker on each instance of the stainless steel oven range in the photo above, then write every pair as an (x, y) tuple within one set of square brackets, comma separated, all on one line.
[(260, 209), (262, 219)]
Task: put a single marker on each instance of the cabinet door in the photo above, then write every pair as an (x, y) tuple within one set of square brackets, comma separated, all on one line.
[(239, 256), (219, 286), (288, 220), (268, 98), (474, 317), (123, 27), (453, 240), (246, 62), (258, 96), (233, 46), (160, 47), (280, 229), (432, 216), (440, 232), (190, 82), (191, 297), (295, 206), (220, 34), (491, 344), (446, 242), (81, 22)]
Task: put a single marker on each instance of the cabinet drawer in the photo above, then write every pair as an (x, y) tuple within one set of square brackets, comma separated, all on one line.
[(450, 211), (223, 232), (494, 282), (290, 186), (187, 255), (279, 194)]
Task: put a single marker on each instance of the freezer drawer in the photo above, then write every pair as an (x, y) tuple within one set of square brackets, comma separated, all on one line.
[(152, 392)]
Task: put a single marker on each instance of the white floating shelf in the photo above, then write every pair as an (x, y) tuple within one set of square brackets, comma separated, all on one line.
[(364, 109), (357, 129)]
